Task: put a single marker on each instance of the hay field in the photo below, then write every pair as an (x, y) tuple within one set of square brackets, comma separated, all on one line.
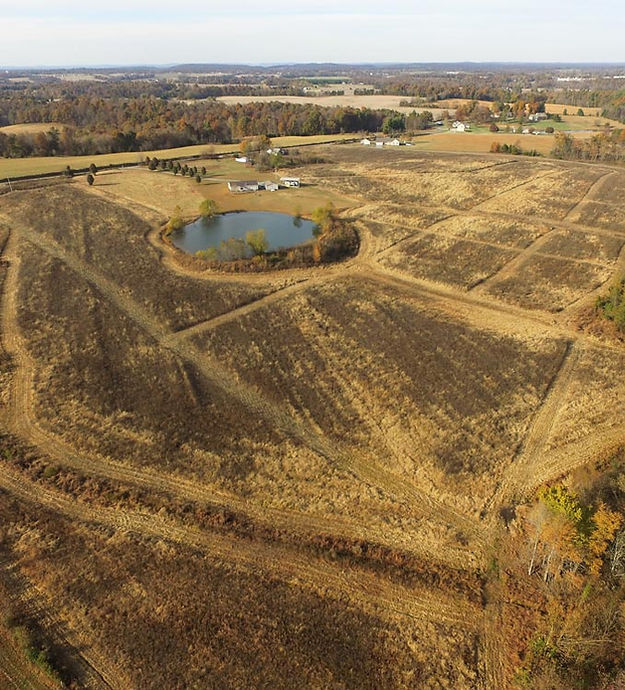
[(474, 142), (558, 109), (31, 128), (296, 475), (348, 101)]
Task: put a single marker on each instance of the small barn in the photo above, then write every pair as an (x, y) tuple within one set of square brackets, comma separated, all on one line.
[(291, 181), (243, 186), (365, 142)]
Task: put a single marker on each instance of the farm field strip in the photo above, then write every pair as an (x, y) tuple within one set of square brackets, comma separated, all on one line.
[(558, 463), (483, 313), (365, 469), (521, 472), (513, 266), (25, 167), (589, 297), (275, 296), (24, 424), (363, 588), (429, 232), (598, 183), (490, 314), (551, 173)]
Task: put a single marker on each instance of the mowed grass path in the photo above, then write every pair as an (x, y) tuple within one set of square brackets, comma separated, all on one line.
[(23, 167)]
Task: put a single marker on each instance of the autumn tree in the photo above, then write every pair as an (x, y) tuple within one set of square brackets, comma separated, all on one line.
[(251, 145), (176, 221), (256, 240), (324, 217), (208, 208)]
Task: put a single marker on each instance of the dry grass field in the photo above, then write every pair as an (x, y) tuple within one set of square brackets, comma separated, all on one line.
[(31, 128), (23, 167), (163, 191), (374, 102), (294, 478), (474, 142)]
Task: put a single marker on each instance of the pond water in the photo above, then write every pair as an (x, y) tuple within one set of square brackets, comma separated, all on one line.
[(281, 230)]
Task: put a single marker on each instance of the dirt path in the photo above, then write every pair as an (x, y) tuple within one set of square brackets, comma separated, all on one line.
[(551, 173), (520, 478), (597, 184), (558, 463), (363, 588), (513, 266)]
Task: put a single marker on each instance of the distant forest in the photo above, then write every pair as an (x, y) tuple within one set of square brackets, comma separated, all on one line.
[(137, 110), (114, 124)]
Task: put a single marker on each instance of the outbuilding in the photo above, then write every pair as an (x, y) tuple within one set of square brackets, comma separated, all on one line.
[(291, 181), (243, 186)]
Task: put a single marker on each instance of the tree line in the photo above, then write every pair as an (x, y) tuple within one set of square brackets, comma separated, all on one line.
[(605, 146), (93, 126)]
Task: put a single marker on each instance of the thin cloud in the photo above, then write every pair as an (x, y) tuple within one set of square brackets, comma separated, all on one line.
[(403, 32)]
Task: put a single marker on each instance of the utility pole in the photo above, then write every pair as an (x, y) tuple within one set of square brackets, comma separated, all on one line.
[(9, 181)]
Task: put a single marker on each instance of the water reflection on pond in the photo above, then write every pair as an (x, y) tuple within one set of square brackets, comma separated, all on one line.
[(281, 230)]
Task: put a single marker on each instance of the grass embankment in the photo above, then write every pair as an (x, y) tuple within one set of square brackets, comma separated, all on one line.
[(23, 167)]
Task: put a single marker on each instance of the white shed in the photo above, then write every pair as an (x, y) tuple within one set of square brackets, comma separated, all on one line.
[(290, 181), (243, 186)]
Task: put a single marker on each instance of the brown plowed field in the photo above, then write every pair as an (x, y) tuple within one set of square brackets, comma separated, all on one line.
[(294, 479)]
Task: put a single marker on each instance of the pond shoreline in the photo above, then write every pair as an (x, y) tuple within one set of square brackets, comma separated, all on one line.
[(226, 233)]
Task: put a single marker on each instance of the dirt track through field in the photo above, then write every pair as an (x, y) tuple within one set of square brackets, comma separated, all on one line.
[(363, 588), (533, 464), (597, 184)]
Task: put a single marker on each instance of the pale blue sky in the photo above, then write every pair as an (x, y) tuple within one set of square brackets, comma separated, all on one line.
[(88, 32)]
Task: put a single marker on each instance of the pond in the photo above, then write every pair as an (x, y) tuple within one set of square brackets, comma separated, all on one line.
[(281, 230)]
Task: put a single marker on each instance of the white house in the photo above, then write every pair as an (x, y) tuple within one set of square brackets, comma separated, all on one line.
[(392, 142), (270, 186), (365, 142), (379, 143), (241, 159), (459, 127), (290, 181), (243, 186)]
